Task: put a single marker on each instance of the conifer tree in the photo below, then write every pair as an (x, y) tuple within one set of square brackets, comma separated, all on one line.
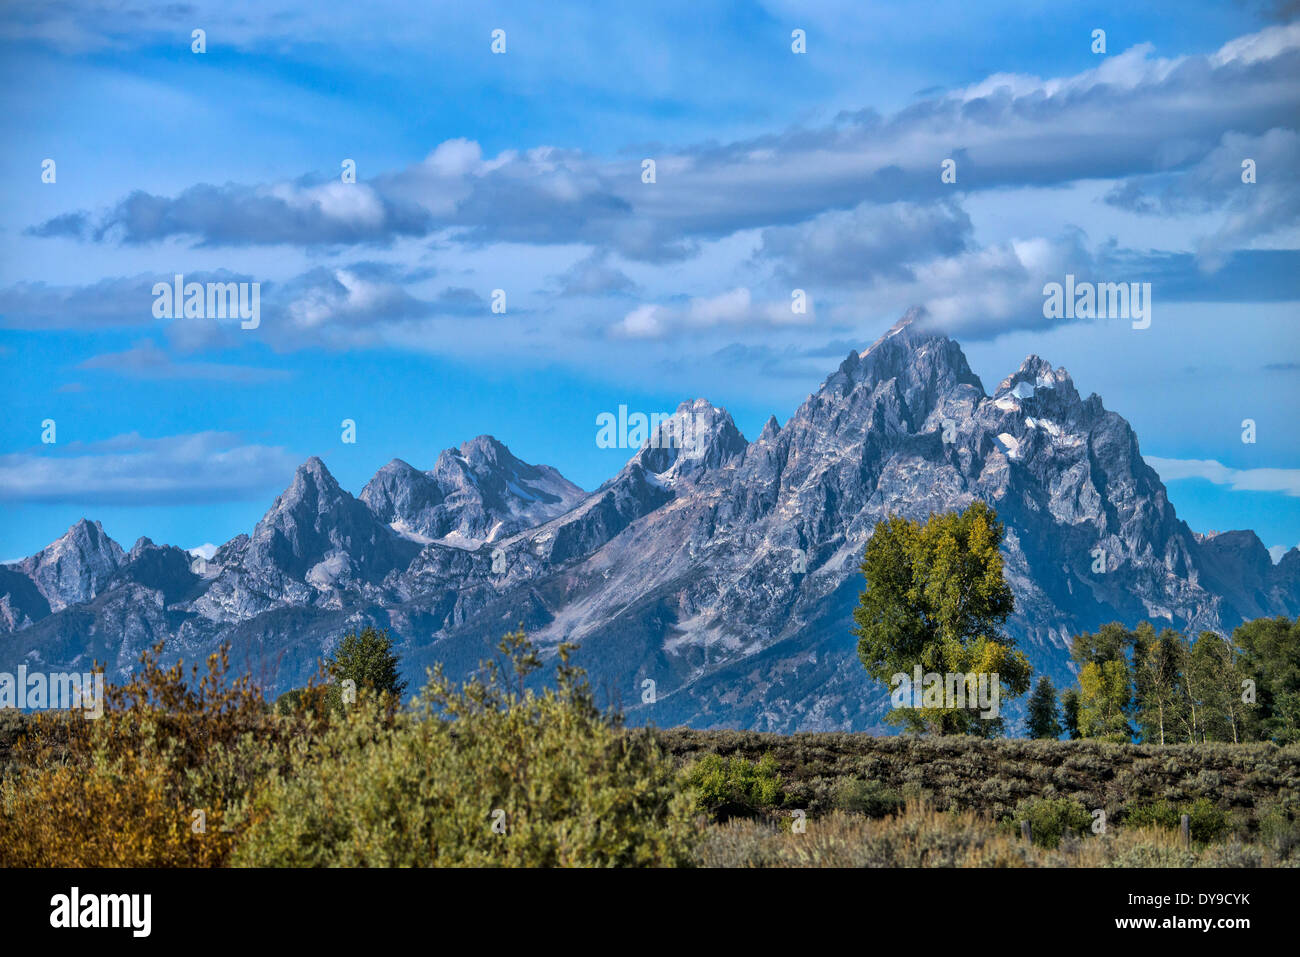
[(1042, 720)]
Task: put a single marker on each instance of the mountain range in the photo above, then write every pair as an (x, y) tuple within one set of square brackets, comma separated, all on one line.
[(722, 570)]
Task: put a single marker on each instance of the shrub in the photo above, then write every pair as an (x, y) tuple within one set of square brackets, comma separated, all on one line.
[(1208, 821), (1279, 828), (924, 837), (1160, 814), (867, 797), (1050, 819), (734, 787), (920, 837), (161, 779), (480, 774)]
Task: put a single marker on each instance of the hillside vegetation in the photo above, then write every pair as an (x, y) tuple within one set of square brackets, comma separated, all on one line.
[(191, 769)]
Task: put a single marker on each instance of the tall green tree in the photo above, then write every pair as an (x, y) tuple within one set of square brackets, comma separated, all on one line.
[(1103, 691), (1160, 702), (367, 658), (1216, 676), (936, 597), (1105, 682), (1270, 658), (1070, 713), (1111, 642), (1042, 721)]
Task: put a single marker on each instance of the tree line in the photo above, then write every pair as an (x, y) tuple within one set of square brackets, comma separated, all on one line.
[(1162, 687), (936, 601)]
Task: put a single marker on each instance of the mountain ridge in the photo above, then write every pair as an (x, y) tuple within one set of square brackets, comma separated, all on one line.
[(722, 569)]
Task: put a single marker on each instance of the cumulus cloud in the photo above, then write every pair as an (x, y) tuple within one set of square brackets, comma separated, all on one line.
[(736, 306), (124, 301), (593, 276), (202, 468), (1286, 481), (852, 211), (1257, 209), (237, 215), (1006, 131), (327, 305), (867, 242)]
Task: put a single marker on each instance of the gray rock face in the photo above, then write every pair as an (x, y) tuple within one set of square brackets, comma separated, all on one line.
[(73, 568), (316, 545), (474, 494), (21, 602), (721, 570)]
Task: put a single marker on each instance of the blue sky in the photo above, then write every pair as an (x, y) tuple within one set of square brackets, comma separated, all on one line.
[(522, 171)]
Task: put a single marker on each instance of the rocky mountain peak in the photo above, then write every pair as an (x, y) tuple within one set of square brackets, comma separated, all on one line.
[(914, 318), (315, 522), (399, 491), (398, 467), (697, 436), (771, 429), (141, 543), (312, 477), (919, 358), (484, 453), (75, 566), (475, 493), (891, 389), (1035, 375)]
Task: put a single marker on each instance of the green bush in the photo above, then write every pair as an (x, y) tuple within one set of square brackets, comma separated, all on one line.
[(734, 787), (161, 779), (1159, 814), (481, 774), (1279, 827), (1206, 820), (1050, 819), (867, 797)]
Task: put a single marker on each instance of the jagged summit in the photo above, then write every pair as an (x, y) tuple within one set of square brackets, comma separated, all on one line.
[(72, 568), (475, 493), (313, 471), (913, 320), (398, 466), (1036, 374), (698, 435), (141, 544), (484, 451)]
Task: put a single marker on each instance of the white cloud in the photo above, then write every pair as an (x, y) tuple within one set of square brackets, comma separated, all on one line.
[(1264, 45), (732, 308), (1286, 481), (1276, 552), (127, 469)]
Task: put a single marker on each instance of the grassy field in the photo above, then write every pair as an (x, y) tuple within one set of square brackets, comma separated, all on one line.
[(920, 836), (958, 801), (993, 777), (762, 800)]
